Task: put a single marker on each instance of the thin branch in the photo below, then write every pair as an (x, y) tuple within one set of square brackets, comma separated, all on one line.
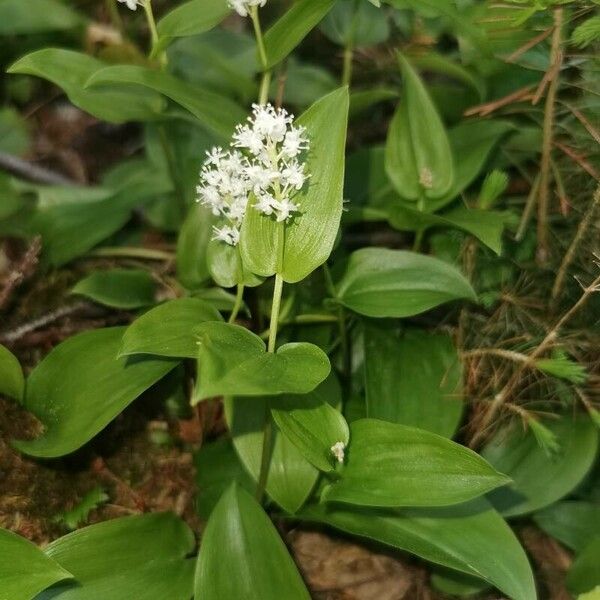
[(26, 170)]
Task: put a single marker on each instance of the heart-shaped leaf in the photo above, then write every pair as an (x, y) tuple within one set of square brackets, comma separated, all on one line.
[(12, 382), (242, 555), (81, 386), (471, 538), (395, 283), (539, 479), (24, 569), (168, 329), (234, 362), (413, 378), (143, 556), (296, 249), (392, 465)]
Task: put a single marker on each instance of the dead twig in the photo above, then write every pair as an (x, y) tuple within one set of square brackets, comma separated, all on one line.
[(22, 168), (21, 271)]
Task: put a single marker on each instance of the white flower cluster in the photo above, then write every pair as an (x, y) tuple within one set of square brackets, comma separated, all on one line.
[(339, 451), (131, 4), (262, 165), (242, 7)]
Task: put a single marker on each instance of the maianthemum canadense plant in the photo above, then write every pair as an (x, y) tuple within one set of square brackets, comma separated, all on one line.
[(340, 413)]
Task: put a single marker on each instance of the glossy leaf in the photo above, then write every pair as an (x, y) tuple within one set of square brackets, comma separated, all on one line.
[(573, 523), (218, 113), (293, 27), (394, 283), (413, 378), (35, 16), (242, 555), (538, 479), (192, 243), (391, 465), (418, 156), (584, 575), (24, 569), (306, 242), (169, 329), (142, 557), (290, 478), (234, 362), (12, 382), (119, 288), (471, 538), (71, 70), (81, 386), (226, 266), (313, 423)]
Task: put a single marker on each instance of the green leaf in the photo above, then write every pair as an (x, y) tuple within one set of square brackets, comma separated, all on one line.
[(486, 225), (169, 329), (413, 378), (538, 479), (234, 362), (393, 465), (191, 18), (290, 478), (80, 513), (394, 283), (35, 16), (119, 288), (352, 24), (133, 557), (573, 523), (12, 382), (217, 466), (217, 113), (418, 157), (226, 266), (81, 386), (313, 423), (24, 569), (362, 100), (242, 555), (71, 70), (455, 583), (293, 27), (471, 538), (584, 575), (306, 242), (14, 132), (192, 243)]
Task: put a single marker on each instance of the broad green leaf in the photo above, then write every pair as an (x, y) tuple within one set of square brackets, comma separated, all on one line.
[(290, 478), (24, 569), (119, 288), (394, 283), (313, 423), (71, 70), (218, 113), (413, 378), (363, 100), (191, 18), (81, 386), (192, 244), (418, 158), (573, 523), (217, 467), (455, 583), (242, 555), (12, 382), (306, 242), (471, 538), (352, 24), (14, 131), (391, 465), (35, 16), (226, 266), (584, 574), (234, 362), (293, 27), (169, 329), (538, 479), (142, 557), (486, 225)]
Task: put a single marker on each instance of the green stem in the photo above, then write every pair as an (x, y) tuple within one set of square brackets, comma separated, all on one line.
[(173, 169), (239, 298), (347, 68), (275, 313), (153, 32), (265, 82), (133, 252)]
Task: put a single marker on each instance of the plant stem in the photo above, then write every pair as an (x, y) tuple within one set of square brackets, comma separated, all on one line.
[(133, 252), (153, 32), (265, 83), (239, 298), (275, 313), (347, 67), (173, 169)]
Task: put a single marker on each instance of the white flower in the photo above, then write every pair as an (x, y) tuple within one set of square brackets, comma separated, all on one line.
[(339, 451), (131, 4), (242, 7), (263, 167)]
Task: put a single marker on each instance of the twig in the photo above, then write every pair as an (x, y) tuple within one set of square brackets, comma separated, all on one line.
[(21, 271), (22, 168), (483, 110), (534, 41), (579, 159), (529, 205)]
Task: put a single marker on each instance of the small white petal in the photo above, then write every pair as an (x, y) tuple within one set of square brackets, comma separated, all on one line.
[(339, 451)]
